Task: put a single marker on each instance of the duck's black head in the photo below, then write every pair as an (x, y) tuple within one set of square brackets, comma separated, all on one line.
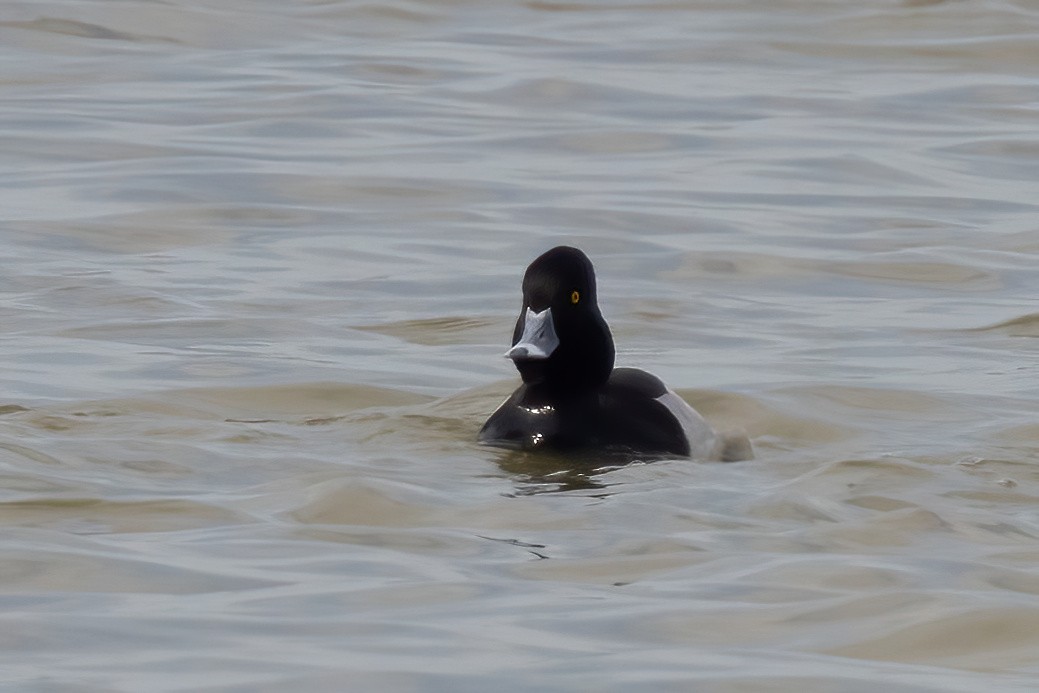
[(561, 340)]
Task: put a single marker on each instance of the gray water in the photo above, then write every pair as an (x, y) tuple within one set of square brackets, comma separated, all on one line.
[(261, 261)]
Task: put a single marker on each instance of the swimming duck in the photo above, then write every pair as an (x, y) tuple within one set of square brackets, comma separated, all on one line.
[(572, 397)]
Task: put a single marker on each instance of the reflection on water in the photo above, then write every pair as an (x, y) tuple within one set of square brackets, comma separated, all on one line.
[(539, 473), (262, 262)]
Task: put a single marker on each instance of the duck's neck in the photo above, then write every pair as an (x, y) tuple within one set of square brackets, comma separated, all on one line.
[(542, 396)]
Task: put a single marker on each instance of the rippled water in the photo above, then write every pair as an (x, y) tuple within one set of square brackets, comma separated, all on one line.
[(262, 259)]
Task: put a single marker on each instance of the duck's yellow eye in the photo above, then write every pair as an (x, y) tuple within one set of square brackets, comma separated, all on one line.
[(575, 296)]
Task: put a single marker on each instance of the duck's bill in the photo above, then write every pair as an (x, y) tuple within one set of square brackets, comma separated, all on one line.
[(538, 340)]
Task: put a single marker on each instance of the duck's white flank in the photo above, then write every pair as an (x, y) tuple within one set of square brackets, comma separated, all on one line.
[(703, 441)]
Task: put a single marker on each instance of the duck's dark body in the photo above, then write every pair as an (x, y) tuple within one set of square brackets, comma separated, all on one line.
[(622, 414), (571, 396)]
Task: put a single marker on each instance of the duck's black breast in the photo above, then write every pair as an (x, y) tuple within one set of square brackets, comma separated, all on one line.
[(532, 418)]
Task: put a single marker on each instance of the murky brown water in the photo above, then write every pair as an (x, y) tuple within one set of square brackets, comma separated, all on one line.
[(261, 260)]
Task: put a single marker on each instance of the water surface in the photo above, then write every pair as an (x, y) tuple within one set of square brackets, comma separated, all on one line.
[(262, 259)]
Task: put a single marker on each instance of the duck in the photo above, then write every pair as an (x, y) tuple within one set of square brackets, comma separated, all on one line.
[(572, 397)]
